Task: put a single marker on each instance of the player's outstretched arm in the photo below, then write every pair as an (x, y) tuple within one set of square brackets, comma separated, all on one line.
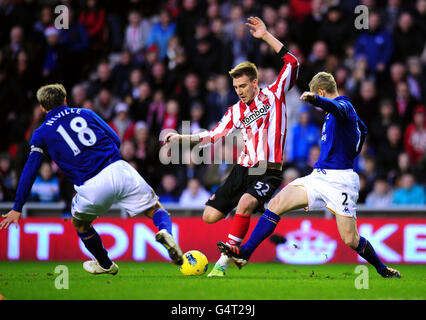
[(258, 30), (328, 105), (24, 188)]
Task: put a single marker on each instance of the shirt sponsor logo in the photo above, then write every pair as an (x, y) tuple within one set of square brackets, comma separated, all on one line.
[(256, 114)]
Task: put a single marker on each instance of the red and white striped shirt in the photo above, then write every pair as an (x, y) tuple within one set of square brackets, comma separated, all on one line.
[(263, 123)]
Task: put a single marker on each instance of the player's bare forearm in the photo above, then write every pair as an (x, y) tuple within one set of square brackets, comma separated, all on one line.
[(273, 42), (182, 138)]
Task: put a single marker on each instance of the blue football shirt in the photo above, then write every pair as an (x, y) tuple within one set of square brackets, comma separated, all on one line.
[(343, 133), (78, 140)]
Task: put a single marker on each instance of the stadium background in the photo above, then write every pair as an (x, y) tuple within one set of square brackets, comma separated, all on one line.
[(145, 66)]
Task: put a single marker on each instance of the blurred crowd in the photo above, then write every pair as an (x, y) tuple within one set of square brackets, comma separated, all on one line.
[(145, 66)]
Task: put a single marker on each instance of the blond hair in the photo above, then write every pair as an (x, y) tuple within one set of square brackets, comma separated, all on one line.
[(323, 80), (244, 68), (51, 96)]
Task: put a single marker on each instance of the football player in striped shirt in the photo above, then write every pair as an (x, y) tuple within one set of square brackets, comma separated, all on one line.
[(332, 184), (261, 114), (87, 150)]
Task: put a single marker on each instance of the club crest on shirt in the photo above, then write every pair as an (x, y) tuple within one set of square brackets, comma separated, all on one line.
[(263, 98)]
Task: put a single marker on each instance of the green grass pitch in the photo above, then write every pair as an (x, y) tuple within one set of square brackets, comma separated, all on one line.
[(163, 281)]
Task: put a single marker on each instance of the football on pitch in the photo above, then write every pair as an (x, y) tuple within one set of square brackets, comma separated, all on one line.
[(195, 263)]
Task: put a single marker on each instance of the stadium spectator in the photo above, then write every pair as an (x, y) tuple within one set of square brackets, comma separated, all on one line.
[(93, 18), (385, 119), (186, 21), (415, 136), (78, 95), (314, 153), (408, 38), (221, 98), (409, 192), (416, 79), (388, 151), (16, 44), (381, 196), (192, 92), (8, 178), (128, 151), (156, 112), (197, 118), (45, 20), (103, 80), (364, 190), (161, 33), (131, 86), (405, 103), (375, 44), (366, 102), (54, 60), (194, 195), (335, 31), (76, 41), (120, 74), (168, 190), (46, 185), (139, 108), (146, 152), (390, 14), (137, 32), (104, 104), (305, 135), (122, 124), (419, 15), (171, 117)]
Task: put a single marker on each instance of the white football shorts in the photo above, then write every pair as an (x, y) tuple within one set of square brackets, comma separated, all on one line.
[(337, 190), (119, 183)]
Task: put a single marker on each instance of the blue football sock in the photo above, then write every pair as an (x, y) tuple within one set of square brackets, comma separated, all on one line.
[(93, 243), (264, 228), (366, 250), (162, 220)]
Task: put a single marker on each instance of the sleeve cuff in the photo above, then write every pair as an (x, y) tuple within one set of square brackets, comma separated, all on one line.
[(283, 51)]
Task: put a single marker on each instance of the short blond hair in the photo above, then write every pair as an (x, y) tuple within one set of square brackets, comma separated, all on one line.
[(244, 68), (51, 96), (323, 80)]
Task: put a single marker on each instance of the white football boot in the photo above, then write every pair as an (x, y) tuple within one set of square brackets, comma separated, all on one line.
[(93, 267), (169, 243)]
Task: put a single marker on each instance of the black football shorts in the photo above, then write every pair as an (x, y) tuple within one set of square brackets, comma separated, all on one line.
[(239, 182)]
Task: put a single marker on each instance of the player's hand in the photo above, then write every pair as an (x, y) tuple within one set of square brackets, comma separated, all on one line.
[(257, 27), (172, 137), (11, 217), (308, 96)]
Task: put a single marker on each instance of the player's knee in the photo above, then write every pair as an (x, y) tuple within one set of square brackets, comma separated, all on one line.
[(80, 226), (212, 216), (350, 240), (274, 204), (247, 205)]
